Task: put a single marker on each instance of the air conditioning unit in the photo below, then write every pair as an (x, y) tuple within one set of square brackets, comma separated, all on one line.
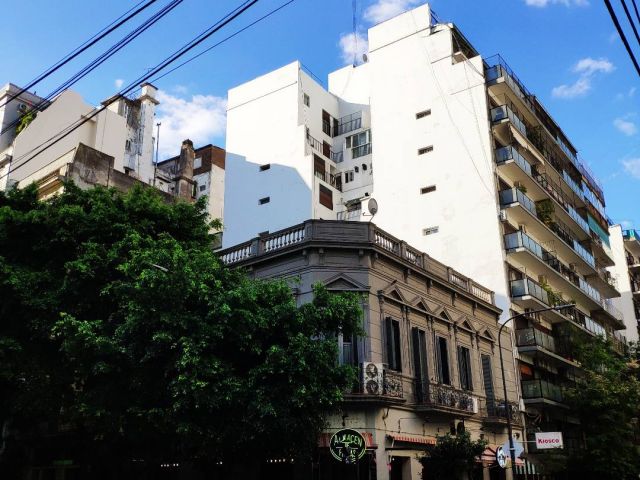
[(372, 378), (475, 404), (502, 215)]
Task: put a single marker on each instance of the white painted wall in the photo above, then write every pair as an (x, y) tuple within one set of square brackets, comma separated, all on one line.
[(620, 272), (411, 69), (11, 112)]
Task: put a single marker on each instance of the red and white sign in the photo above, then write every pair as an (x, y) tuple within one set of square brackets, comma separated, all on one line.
[(549, 440)]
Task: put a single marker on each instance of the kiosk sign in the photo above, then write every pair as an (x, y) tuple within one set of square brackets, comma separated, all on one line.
[(347, 446), (549, 440)]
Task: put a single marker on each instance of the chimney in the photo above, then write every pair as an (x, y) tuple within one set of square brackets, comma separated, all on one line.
[(184, 174)]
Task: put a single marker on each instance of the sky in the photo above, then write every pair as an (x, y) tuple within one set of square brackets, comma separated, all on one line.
[(566, 52)]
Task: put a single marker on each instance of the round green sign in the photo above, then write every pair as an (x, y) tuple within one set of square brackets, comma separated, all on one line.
[(347, 446)]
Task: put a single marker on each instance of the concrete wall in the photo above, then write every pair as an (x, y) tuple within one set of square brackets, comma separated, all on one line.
[(620, 272)]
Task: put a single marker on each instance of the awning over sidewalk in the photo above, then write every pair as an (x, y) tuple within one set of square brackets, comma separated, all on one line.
[(417, 439)]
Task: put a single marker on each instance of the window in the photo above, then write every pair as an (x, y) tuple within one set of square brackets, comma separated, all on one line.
[(422, 151), (319, 168), (394, 354), (265, 167), (423, 114), (430, 230), (306, 99), (442, 360), (348, 176), (464, 367), (356, 169), (487, 376), (359, 139), (264, 200), (364, 167), (326, 149), (326, 197), (419, 338), (202, 188), (429, 189), (197, 162)]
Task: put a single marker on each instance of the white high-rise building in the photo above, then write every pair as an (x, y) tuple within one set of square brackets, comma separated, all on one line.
[(625, 244), (464, 163)]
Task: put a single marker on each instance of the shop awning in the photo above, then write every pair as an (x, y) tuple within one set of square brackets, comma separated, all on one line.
[(422, 440), (325, 438)]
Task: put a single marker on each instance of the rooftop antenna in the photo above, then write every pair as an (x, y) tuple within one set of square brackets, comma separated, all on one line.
[(372, 208)]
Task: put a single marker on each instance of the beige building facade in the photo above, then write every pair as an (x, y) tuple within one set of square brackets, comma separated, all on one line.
[(429, 362)]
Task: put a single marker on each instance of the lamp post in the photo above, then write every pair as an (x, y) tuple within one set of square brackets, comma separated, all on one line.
[(512, 449)]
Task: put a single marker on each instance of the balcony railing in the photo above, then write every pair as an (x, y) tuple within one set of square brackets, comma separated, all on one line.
[(350, 123), (496, 411), (513, 195), (361, 151), (317, 145), (337, 156), (332, 180), (526, 286), (564, 233), (541, 389), (503, 112), (392, 385), (504, 154), (445, 397)]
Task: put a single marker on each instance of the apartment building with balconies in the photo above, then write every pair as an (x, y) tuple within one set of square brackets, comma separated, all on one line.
[(625, 244), (429, 362), (465, 163)]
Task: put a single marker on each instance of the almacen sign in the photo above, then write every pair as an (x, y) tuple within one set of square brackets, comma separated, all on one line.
[(347, 446)]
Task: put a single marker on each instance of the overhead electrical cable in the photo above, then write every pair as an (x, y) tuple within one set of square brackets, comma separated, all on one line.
[(228, 18), (117, 23), (633, 25), (614, 18), (103, 57)]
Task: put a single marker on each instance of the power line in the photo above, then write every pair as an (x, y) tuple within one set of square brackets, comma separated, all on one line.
[(103, 57), (614, 18), (635, 7), (82, 48), (633, 26), (228, 18)]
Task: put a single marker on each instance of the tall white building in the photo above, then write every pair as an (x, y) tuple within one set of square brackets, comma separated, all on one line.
[(124, 131), (625, 244), (464, 163)]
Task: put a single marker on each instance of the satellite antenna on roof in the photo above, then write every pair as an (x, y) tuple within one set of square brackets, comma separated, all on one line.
[(365, 58), (372, 208)]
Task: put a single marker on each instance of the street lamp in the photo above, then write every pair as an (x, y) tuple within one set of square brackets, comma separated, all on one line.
[(512, 449)]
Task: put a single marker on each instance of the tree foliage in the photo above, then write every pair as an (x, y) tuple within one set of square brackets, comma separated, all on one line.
[(452, 457), (119, 323), (606, 400)]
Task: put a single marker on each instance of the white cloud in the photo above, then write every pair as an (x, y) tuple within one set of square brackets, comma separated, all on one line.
[(578, 89), (625, 126), (200, 119), (632, 167), (588, 66), (353, 48), (382, 10), (181, 89), (626, 224), (118, 82), (566, 3)]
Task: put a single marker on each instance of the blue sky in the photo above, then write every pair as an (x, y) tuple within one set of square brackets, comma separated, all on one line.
[(565, 51)]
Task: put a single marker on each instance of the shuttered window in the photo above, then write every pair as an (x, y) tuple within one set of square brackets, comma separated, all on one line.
[(394, 354), (419, 338), (326, 197), (442, 358), (464, 367)]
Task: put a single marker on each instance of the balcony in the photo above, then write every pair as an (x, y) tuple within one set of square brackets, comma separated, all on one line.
[(445, 399), (541, 391), (349, 123), (495, 412), (513, 195), (390, 392), (538, 343), (618, 343), (503, 113), (319, 146), (534, 257), (522, 291), (361, 150), (333, 180)]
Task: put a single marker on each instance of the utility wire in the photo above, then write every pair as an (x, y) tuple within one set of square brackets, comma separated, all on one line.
[(264, 17), (103, 57), (614, 18), (82, 48), (635, 7), (228, 18), (633, 25)]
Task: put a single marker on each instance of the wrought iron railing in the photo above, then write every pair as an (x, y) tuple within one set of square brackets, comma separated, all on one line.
[(497, 410), (446, 397)]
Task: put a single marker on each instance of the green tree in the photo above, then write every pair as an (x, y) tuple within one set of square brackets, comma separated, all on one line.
[(452, 457), (119, 324), (606, 399)]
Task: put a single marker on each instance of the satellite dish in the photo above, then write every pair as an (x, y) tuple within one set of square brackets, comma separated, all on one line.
[(372, 206), (365, 58)]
